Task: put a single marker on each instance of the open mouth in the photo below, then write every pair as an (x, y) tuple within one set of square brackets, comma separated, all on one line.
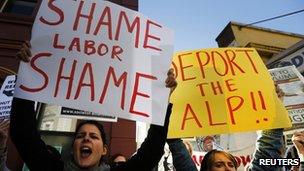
[(85, 151)]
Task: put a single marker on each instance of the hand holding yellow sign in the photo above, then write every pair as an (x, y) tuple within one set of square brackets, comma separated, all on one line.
[(223, 90)]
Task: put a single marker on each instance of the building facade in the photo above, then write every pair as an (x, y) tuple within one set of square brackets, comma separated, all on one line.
[(267, 42)]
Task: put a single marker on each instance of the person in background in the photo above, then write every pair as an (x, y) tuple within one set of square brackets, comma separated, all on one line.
[(117, 159), (217, 160), (89, 144), (208, 143)]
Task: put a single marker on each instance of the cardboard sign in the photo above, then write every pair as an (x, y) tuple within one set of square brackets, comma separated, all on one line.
[(291, 82), (100, 57), (6, 96), (223, 90)]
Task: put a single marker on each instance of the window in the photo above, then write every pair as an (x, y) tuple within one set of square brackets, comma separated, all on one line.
[(52, 121), (3, 4), (63, 119), (22, 7)]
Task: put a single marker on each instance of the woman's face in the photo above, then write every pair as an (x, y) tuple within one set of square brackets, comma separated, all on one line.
[(88, 146), (222, 163)]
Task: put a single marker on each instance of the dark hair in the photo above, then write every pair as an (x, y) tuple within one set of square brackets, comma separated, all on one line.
[(208, 159), (97, 124), (113, 157)]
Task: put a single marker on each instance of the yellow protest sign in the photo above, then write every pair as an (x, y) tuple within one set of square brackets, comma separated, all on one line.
[(223, 90)]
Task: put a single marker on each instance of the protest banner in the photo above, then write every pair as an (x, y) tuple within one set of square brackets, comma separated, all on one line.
[(223, 90), (6, 96), (100, 57), (291, 82)]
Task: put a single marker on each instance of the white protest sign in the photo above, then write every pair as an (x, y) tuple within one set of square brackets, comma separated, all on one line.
[(6, 96), (100, 57), (291, 82)]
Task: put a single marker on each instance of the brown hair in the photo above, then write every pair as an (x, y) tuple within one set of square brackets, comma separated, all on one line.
[(113, 157), (188, 146), (208, 159)]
